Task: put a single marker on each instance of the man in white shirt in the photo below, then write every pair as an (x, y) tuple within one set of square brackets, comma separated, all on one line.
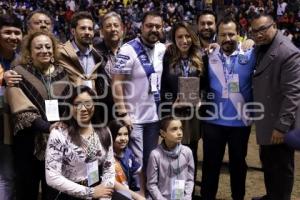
[(136, 84)]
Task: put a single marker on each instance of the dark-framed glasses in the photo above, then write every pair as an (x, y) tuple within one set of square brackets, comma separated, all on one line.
[(261, 30), (86, 104)]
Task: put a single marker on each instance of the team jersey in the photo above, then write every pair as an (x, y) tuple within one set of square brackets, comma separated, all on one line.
[(142, 106)]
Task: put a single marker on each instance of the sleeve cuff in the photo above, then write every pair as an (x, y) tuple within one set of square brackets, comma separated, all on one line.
[(90, 192), (284, 124)]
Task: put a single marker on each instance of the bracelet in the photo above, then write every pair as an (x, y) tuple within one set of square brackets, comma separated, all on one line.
[(121, 114)]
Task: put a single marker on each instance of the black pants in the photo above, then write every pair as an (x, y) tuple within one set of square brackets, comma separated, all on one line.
[(215, 138), (29, 170), (278, 165)]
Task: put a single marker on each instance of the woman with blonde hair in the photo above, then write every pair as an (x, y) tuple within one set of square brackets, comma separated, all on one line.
[(34, 107)]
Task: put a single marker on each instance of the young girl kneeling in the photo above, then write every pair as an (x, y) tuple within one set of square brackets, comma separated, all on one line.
[(127, 168), (170, 170)]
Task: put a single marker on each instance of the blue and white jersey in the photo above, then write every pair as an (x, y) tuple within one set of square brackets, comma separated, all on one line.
[(141, 103), (230, 79)]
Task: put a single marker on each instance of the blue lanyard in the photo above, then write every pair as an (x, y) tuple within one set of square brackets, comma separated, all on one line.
[(185, 63), (228, 68)]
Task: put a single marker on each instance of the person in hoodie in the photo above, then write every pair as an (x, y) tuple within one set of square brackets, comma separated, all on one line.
[(170, 170)]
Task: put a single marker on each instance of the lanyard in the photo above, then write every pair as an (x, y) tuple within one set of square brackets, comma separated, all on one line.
[(185, 63), (228, 68), (47, 84)]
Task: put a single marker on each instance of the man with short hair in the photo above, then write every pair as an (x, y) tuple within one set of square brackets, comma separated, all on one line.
[(39, 20), (83, 63), (206, 26), (112, 31), (136, 84), (276, 85), (10, 40), (229, 73), (78, 55)]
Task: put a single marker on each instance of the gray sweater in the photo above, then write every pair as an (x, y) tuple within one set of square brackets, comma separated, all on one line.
[(164, 165)]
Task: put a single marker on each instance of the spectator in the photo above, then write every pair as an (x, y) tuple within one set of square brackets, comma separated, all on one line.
[(79, 159), (225, 123), (10, 41), (170, 171), (29, 104), (128, 170), (140, 63), (280, 100), (183, 59)]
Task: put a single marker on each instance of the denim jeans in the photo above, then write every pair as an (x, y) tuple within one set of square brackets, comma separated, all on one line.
[(7, 174), (143, 139)]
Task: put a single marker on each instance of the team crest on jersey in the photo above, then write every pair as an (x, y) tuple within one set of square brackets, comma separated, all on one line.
[(243, 59)]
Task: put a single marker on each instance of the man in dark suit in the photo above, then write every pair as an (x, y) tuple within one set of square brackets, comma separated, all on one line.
[(276, 85)]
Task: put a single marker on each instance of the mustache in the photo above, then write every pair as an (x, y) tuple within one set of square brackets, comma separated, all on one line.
[(229, 43), (154, 33)]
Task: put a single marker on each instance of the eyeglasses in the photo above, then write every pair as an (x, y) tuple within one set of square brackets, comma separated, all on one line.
[(86, 104), (261, 30)]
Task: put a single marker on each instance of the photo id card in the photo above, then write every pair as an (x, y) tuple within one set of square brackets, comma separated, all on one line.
[(92, 172), (52, 111), (153, 82), (177, 189), (88, 83), (234, 84)]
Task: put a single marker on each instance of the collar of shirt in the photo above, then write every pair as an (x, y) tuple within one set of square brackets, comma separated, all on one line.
[(6, 62), (78, 52)]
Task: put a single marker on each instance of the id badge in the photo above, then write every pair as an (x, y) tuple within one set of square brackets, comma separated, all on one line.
[(52, 112), (225, 94), (88, 83), (92, 172), (234, 84), (153, 82), (2, 90), (177, 189)]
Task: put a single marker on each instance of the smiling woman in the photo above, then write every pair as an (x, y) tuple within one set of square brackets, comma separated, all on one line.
[(183, 61), (79, 159), (34, 108)]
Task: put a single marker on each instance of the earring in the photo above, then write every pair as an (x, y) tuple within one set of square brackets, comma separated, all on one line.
[(52, 60), (29, 60)]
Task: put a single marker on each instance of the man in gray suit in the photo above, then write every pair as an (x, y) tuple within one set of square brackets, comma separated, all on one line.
[(276, 85)]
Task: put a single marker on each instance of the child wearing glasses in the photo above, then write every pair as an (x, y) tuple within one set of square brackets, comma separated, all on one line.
[(170, 170)]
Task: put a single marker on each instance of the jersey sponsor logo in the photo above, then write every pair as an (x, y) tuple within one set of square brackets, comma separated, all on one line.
[(121, 61), (124, 57)]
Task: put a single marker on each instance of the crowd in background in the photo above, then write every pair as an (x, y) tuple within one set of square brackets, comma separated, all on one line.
[(286, 13), (162, 44)]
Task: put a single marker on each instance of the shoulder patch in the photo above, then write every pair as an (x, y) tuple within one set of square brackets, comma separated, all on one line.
[(122, 56)]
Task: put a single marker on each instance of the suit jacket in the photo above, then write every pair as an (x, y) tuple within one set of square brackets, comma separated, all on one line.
[(276, 85), (100, 79), (70, 61)]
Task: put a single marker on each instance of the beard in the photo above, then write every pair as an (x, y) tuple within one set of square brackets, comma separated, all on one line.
[(152, 37), (207, 35), (86, 41), (229, 47)]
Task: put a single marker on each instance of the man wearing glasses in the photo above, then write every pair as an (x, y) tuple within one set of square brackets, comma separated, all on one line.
[(276, 85)]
